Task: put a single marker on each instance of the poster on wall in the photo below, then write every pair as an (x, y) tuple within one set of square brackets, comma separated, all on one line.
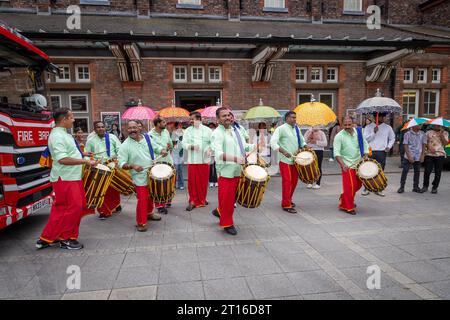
[(110, 118)]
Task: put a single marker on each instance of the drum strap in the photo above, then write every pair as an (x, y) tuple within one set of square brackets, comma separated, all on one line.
[(150, 147), (238, 137), (78, 147), (360, 140), (108, 145), (299, 138)]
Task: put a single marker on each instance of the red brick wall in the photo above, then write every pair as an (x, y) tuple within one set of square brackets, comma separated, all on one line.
[(15, 85), (405, 12)]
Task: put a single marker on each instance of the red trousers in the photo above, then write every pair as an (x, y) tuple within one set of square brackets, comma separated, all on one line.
[(198, 177), (227, 198), (111, 202), (350, 185), (289, 180), (144, 205), (67, 209)]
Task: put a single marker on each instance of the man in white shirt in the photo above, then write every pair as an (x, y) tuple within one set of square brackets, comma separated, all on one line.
[(381, 138)]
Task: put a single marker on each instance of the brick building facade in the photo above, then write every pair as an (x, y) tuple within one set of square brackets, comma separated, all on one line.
[(194, 52)]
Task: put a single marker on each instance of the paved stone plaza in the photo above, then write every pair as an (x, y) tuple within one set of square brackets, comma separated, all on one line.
[(320, 253)]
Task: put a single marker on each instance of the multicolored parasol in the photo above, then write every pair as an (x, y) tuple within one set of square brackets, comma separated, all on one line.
[(262, 113), (315, 114), (209, 113), (414, 122), (439, 122), (139, 112)]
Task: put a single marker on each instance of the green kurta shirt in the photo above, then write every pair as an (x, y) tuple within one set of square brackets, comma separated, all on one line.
[(62, 145), (133, 152), (97, 145), (225, 141), (346, 146), (200, 137), (285, 136), (161, 140)]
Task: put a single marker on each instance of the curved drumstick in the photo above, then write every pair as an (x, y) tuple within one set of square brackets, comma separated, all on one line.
[(153, 162)]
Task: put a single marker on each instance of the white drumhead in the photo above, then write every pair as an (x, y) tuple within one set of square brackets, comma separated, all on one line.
[(256, 172), (102, 167), (161, 171), (304, 158), (368, 170)]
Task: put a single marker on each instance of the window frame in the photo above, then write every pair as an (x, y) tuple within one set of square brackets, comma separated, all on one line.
[(209, 74), (425, 80), (321, 75), (63, 80), (77, 79), (416, 107), (185, 80), (305, 75), (56, 95), (203, 74), (88, 125), (336, 75), (411, 78), (332, 94), (436, 111), (79, 95), (439, 75), (350, 10)]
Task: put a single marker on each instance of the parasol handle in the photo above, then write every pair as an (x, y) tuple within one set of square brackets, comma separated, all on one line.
[(377, 119)]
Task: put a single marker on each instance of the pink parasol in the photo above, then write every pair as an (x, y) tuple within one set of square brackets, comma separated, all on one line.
[(210, 112), (139, 113)]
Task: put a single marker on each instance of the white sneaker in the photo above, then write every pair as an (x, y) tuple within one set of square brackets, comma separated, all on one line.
[(365, 192), (309, 186), (211, 185), (216, 184), (331, 159), (316, 186), (381, 194), (181, 188)]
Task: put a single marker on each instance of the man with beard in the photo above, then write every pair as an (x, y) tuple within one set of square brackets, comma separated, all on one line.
[(161, 137), (230, 148), (349, 147), (105, 147), (197, 143), (137, 152)]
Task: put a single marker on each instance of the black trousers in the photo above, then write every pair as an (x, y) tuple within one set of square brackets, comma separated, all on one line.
[(212, 173), (436, 163), (380, 156), (416, 166), (319, 154)]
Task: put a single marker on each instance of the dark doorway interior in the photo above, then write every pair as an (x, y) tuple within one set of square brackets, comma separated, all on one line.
[(193, 100)]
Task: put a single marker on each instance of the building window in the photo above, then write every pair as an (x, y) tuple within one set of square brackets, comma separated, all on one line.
[(215, 74), (197, 74), (408, 76), (79, 103), (332, 75), (422, 76), (191, 2), (304, 97), (316, 74), (64, 74), (179, 74), (436, 76), (55, 101), (82, 73), (410, 104), (327, 98), (279, 4), (431, 102), (352, 5), (81, 122), (301, 74)]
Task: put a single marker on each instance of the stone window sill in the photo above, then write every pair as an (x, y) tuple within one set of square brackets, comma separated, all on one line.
[(190, 6), (354, 13), (279, 10)]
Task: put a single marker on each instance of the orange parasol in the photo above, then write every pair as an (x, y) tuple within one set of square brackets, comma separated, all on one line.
[(173, 114)]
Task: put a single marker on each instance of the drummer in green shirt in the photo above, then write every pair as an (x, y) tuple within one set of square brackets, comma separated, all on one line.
[(288, 140), (161, 138), (135, 155), (229, 146), (105, 147), (347, 150)]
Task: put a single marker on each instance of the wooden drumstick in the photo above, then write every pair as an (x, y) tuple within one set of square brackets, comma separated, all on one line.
[(153, 162)]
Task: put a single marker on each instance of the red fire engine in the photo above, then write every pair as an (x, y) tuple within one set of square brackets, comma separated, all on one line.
[(25, 125)]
